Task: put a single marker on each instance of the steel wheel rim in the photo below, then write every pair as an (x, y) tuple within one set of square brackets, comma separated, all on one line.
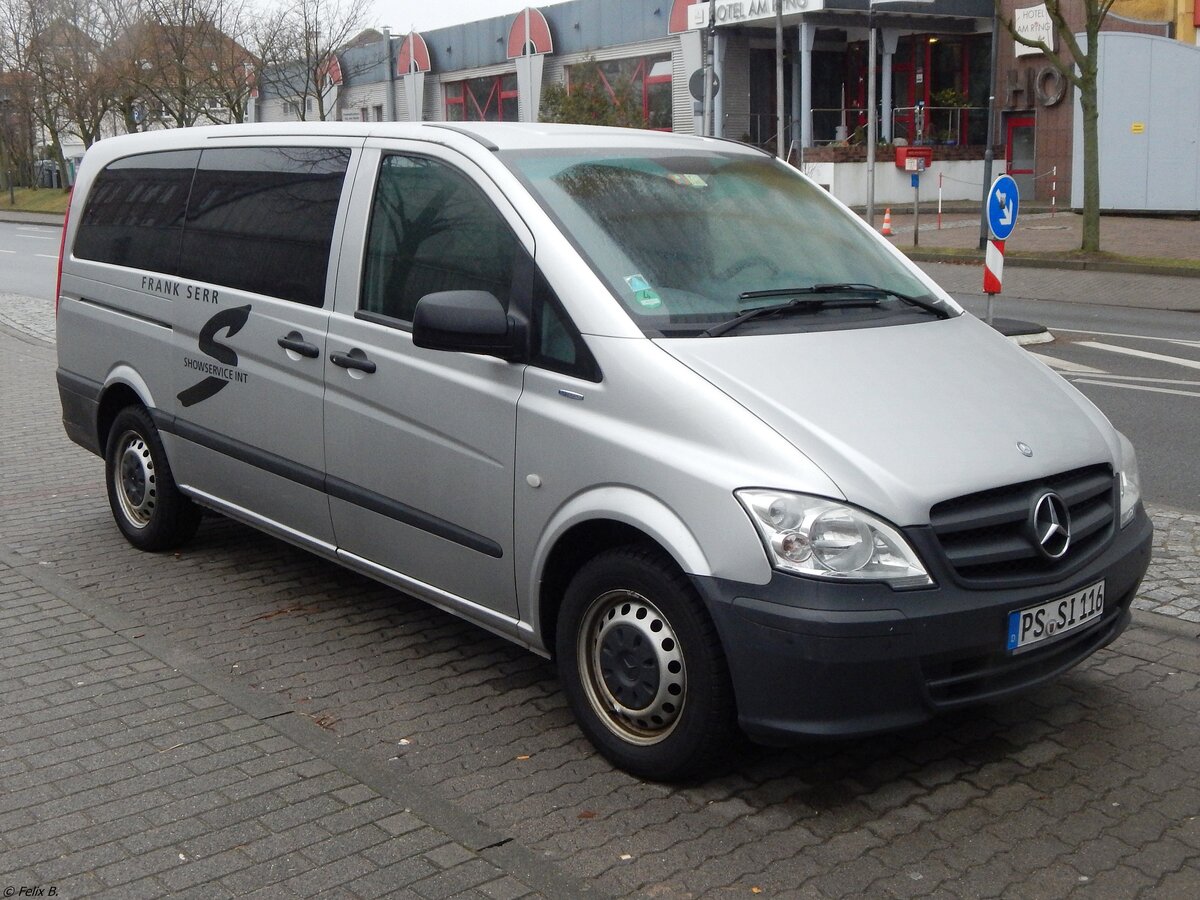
[(134, 480), (632, 667)]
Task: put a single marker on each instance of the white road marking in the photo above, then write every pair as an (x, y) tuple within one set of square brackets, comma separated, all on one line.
[(47, 255), (1132, 337), (1064, 365), (1143, 378), (1136, 387), (1143, 354)]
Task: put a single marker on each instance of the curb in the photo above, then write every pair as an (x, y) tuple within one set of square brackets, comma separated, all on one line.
[(21, 217), (1157, 621), (1074, 265), (1021, 332)]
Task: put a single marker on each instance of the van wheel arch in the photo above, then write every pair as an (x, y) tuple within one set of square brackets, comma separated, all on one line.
[(574, 549), (116, 398)]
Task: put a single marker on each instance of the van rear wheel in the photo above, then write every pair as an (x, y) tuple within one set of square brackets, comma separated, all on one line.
[(147, 506), (643, 667)]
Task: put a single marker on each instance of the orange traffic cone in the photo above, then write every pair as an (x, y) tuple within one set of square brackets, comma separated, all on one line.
[(886, 231)]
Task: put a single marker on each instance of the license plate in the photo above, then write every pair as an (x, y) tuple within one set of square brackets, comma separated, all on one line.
[(1035, 624)]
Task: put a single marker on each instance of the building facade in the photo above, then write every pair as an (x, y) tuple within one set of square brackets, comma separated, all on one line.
[(933, 75)]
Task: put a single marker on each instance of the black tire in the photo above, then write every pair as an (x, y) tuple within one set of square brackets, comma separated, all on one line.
[(643, 669), (147, 506)]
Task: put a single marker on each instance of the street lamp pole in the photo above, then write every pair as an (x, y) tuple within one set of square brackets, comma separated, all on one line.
[(871, 125), (989, 153), (780, 149)]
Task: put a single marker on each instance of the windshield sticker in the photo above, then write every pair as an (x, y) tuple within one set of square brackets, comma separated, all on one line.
[(642, 292), (689, 180)]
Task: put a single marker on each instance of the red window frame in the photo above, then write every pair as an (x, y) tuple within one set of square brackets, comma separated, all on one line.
[(458, 93), (641, 79)]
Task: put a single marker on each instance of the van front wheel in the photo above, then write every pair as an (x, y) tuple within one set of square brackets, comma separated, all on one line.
[(643, 667), (146, 504)]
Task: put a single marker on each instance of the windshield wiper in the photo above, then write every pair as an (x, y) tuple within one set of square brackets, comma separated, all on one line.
[(796, 304), (849, 288), (810, 301)]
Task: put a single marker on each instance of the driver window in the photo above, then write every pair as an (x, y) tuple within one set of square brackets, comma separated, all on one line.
[(432, 230)]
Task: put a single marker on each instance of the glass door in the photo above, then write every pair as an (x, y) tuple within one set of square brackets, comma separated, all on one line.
[(1019, 152)]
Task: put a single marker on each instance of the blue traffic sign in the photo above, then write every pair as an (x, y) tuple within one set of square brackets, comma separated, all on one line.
[(1003, 203)]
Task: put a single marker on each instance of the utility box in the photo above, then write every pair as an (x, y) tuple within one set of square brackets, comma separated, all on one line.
[(914, 159)]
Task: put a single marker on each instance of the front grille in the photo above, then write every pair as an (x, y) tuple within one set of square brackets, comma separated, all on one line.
[(988, 541)]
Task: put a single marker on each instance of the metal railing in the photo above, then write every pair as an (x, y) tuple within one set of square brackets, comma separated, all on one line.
[(914, 124), (940, 124)]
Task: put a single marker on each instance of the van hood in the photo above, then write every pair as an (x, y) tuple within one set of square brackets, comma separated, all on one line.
[(905, 416)]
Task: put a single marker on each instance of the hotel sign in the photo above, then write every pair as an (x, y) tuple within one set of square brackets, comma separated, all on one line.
[(738, 12), (1035, 24)]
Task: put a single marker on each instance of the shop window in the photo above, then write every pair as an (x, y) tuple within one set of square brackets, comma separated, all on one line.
[(649, 78), (491, 99)]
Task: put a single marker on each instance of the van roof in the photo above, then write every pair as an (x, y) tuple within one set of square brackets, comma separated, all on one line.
[(493, 135)]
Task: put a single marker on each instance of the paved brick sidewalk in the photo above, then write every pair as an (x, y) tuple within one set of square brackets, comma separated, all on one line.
[(126, 776), (27, 315)]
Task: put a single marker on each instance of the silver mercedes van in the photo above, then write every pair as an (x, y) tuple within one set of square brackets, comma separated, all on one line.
[(655, 406)]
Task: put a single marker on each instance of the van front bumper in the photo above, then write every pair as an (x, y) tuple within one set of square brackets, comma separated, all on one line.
[(813, 658)]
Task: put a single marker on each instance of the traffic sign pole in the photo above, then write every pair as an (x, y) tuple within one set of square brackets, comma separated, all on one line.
[(1002, 205), (916, 183)]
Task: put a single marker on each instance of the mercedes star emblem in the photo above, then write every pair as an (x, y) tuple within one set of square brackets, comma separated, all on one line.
[(1051, 522)]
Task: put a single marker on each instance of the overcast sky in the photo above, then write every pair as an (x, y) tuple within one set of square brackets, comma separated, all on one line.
[(425, 15)]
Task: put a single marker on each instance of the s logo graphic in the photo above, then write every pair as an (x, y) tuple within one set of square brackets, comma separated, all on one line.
[(232, 319)]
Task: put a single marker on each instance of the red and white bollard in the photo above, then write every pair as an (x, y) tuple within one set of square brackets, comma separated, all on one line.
[(993, 272)]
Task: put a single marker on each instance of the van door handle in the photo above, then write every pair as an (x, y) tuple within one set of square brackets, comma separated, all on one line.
[(353, 359), (295, 342)]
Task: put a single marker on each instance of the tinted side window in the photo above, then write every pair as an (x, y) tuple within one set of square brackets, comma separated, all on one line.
[(262, 219), (134, 213), (432, 230)]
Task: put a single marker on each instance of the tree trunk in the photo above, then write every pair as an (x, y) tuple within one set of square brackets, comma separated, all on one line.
[(1091, 164)]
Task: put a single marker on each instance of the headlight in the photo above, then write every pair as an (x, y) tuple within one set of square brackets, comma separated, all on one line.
[(827, 539), (1131, 481)]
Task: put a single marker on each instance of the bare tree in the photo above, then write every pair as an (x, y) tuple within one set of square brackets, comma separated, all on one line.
[(183, 63), (233, 66), (73, 60), (1080, 65), (16, 126), (29, 47), (300, 57)]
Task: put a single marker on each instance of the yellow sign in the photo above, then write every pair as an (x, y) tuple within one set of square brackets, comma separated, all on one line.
[(1138, 128)]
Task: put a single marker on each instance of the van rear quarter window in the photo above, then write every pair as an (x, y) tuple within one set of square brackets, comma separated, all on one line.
[(262, 219), (135, 211)]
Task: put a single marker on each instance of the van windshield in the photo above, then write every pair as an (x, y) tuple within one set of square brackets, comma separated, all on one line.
[(691, 241)]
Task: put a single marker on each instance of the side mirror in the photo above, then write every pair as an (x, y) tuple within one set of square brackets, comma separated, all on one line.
[(467, 322)]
